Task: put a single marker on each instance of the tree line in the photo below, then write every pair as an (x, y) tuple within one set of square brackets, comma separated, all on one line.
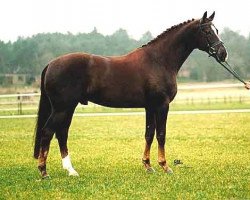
[(30, 55)]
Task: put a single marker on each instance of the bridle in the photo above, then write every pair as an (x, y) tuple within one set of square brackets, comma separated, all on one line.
[(210, 45), (212, 52)]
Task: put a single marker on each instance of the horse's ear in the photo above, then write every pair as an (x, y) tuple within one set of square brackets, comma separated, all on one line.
[(212, 16), (204, 17)]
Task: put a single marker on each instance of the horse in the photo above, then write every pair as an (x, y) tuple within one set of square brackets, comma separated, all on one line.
[(143, 78)]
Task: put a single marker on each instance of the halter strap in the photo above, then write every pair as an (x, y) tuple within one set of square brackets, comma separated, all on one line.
[(211, 45), (212, 52)]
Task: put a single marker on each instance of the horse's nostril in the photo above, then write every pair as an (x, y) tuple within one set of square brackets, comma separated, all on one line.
[(226, 56)]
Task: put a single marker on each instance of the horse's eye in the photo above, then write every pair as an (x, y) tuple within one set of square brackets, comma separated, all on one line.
[(208, 32)]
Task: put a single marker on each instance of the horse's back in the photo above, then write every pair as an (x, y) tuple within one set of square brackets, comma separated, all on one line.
[(82, 77)]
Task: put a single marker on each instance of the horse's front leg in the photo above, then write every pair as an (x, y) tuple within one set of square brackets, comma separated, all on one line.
[(161, 119), (149, 136)]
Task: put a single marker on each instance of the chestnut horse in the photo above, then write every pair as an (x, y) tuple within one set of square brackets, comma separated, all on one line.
[(144, 78)]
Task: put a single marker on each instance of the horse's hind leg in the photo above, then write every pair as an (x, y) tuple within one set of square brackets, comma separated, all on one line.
[(149, 136), (58, 120), (47, 134), (62, 136)]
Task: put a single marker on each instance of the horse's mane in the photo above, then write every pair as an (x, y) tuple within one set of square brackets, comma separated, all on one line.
[(163, 34)]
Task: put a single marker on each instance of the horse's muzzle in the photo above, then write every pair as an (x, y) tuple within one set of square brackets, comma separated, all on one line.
[(222, 54)]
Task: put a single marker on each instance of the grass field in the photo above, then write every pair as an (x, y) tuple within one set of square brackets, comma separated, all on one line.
[(107, 151)]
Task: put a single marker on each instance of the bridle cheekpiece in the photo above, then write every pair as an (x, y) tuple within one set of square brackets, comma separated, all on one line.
[(210, 44)]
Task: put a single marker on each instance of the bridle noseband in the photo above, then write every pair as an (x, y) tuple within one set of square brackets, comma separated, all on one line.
[(210, 45)]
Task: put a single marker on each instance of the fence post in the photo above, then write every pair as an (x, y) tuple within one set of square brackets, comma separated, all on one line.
[(240, 99), (19, 105)]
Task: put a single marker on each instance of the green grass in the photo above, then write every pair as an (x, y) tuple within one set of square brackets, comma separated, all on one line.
[(107, 151)]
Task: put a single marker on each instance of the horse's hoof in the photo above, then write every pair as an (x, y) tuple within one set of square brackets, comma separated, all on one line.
[(169, 171), (150, 170), (73, 173), (45, 177)]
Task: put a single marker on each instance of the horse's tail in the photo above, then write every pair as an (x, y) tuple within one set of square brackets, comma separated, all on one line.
[(44, 112)]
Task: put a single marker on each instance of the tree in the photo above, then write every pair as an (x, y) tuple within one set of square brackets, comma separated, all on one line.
[(146, 37)]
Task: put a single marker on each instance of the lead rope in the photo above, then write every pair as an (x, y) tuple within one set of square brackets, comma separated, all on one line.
[(233, 72)]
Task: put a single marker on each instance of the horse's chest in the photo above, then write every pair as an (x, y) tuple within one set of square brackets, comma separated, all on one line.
[(161, 94)]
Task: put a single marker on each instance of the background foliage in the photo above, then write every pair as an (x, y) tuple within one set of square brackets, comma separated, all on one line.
[(30, 55)]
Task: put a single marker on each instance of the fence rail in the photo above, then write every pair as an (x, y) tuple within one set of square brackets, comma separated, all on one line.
[(188, 94)]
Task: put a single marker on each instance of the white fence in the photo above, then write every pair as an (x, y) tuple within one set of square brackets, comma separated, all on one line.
[(187, 94)]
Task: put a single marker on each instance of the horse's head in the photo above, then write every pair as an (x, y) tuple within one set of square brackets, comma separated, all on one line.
[(209, 40)]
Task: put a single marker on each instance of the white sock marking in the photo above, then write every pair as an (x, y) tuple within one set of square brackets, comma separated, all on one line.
[(66, 163)]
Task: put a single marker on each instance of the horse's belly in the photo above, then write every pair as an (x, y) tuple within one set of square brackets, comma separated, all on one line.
[(118, 100), (119, 104)]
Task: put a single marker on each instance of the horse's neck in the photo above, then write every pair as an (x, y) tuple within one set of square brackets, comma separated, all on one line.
[(172, 50)]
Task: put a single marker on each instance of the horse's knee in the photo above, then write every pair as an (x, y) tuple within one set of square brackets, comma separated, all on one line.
[(149, 139), (149, 135), (161, 137)]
